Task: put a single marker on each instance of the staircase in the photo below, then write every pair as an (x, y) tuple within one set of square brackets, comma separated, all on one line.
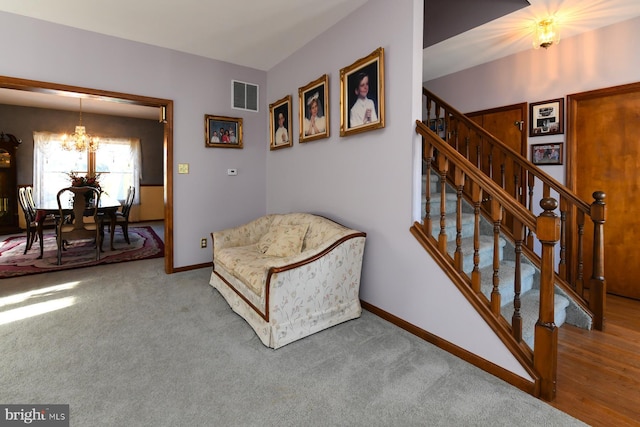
[(511, 239), (565, 308)]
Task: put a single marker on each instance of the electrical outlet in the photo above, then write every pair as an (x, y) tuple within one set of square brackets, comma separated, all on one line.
[(203, 243)]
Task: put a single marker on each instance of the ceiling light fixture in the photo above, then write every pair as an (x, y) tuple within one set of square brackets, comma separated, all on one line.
[(546, 33), (80, 140)]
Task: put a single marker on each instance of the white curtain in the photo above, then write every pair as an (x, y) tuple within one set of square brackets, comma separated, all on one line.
[(118, 160)]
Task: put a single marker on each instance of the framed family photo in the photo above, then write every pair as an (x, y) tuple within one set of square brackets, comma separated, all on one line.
[(546, 118), (314, 109), (362, 94), (546, 154), (280, 123), (224, 132)]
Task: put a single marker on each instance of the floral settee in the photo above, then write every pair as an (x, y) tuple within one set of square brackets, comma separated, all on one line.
[(289, 275)]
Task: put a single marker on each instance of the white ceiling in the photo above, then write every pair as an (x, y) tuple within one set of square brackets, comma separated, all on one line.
[(513, 33), (260, 34)]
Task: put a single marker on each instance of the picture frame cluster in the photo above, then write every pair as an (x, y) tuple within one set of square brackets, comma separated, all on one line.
[(362, 108), (546, 118), (362, 104)]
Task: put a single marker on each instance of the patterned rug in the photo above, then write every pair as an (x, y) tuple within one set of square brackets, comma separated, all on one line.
[(145, 244)]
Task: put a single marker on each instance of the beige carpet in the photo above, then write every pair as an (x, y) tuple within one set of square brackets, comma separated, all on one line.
[(127, 345)]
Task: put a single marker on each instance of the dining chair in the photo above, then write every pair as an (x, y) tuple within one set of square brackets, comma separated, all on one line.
[(49, 221), (122, 217), (32, 220), (29, 218), (79, 227)]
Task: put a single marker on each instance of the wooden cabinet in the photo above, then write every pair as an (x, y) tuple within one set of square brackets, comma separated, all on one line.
[(8, 184)]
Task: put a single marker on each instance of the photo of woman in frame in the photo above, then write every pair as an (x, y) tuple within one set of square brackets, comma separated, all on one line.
[(362, 94), (280, 123), (314, 111)]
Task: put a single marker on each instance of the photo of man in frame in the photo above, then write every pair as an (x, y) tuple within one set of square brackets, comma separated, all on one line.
[(281, 125), (362, 92)]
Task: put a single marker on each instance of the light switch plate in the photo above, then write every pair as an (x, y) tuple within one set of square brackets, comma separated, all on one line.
[(183, 167)]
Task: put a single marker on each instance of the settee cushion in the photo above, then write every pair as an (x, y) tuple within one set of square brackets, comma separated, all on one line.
[(246, 263), (283, 240)]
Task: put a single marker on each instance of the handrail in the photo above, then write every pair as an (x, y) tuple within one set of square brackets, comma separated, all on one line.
[(471, 171), (517, 157)]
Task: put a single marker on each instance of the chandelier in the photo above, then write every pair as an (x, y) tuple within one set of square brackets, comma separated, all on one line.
[(80, 140), (546, 33)]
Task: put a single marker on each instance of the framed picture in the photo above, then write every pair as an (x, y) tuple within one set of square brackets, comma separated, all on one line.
[(220, 131), (438, 125), (546, 154), (362, 94), (546, 118), (314, 109), (280, 123)]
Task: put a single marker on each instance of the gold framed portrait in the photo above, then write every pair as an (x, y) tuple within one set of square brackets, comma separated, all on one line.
[(223, 132), (280, 124), (314, 109), (362, 94)]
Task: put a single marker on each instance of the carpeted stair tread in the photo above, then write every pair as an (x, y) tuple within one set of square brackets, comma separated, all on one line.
[(467, 222), (506, 277), (529, 304), (450, 203), (485, 251)]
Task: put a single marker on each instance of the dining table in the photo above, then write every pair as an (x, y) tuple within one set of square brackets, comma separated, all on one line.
[(107, 206)]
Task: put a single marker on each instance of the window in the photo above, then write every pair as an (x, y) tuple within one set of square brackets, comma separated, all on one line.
[(117, 160)]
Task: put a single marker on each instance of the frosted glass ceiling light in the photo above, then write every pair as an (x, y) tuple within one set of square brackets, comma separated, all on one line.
[(546, 33)]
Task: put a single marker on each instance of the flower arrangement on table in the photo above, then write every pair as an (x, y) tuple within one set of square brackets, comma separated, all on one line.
[(85, 181)]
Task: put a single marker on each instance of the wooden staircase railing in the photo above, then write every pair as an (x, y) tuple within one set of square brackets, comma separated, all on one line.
[(467, 156), (494, 158)]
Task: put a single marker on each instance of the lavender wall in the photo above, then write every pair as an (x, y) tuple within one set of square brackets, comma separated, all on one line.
[(204, 200), (370, 181)]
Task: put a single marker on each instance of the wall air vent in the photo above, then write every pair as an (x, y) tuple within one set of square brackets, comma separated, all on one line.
[(244, 96)]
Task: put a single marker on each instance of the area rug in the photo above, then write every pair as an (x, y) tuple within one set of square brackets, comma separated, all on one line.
[(145, 244)]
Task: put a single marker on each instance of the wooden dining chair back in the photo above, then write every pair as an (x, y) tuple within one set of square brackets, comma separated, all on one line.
[(84, 220), (122, 218), (48, 221), (29, 217)]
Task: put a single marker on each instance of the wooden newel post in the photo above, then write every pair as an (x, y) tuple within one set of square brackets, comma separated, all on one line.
[(545, 352), (597, 283)]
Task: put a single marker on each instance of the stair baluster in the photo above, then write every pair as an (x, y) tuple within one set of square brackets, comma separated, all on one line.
[(496, 216), (443, 167), (459, 181), (516, 319), (476, 195), (562, 266)]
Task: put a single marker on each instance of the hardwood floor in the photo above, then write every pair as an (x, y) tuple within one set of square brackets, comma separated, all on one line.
[(599, 372)]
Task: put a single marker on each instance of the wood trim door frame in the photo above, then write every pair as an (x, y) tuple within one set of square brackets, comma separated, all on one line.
[(98, 94)]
